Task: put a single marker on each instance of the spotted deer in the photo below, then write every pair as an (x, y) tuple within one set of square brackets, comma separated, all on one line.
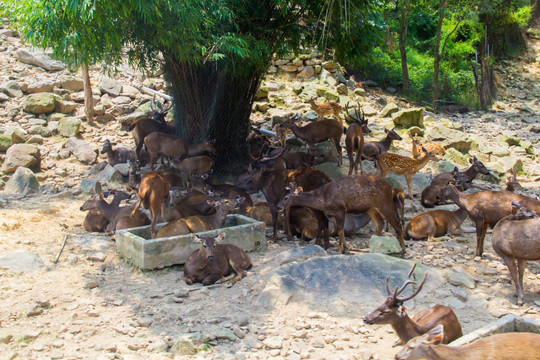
[(323, 109)]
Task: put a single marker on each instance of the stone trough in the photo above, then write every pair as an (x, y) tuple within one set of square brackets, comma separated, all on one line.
[(136, 246)]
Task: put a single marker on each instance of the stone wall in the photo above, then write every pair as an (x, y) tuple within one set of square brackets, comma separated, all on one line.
[(305, 65)]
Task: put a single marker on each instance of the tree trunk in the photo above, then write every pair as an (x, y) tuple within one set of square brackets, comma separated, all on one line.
[(88, 99), (436, 55), (403, 25), (213, 102)]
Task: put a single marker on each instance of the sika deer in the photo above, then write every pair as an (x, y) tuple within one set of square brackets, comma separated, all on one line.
[(434, 224), (372, 149), (515, 238), (323, 109), (193, 166), (213, 261), (354, 194), (506, 346), (402, 165), (354, 139), (260, 211), (118, 155), (433, 193), (195, 224), (512, 184), (161, 144), (435, 148), (153, 194), (486, 208), (94, 221), (392, 312), (316, 132)]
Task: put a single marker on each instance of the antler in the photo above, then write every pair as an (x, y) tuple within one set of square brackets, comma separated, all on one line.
[(400, 290), (166, 107), (359, 113)]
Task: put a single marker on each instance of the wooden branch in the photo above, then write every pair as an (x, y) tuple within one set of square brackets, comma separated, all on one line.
[(61, 249), (149, 91)]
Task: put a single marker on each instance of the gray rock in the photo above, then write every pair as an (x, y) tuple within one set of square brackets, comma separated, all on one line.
[(96, 169), (39, 58), (40, 103), (131, 118), (331, 169), (11, 88), (188, 344), (39, 130), (122, 169), (69, 126), (370, 110), (5, 142), (110, 86), (18, 134), (301, 254), (21, 261), (40, 86), (389, 110), (342, 89), (307, 73), (459, 277), (65, 107), (384, 245), (409, 117), (343, 283), (3, 97), (82, 150), (123, 109), (33, 310), (226, 334), (449, 138), (22, 182), (370, 83), (70, 83), (110, 174), (25, 155)]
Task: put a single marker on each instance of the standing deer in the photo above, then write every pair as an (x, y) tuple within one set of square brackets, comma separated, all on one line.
[(354, 194), (507, 346), (392, 312), (323, 109), (153, 194), (435, 148), (213, 261), (515, 239), (354, 139), (402, 165), (372, 149)]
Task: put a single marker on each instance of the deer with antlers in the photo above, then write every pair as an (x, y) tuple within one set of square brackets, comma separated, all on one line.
[(392, 312), (354, 138)]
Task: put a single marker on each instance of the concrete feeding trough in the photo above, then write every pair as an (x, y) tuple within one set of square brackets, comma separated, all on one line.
[(138, 248), (506, 324)]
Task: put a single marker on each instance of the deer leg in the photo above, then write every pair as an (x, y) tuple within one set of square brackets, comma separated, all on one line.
[(136, 208), (211, 278), (339, 151), (481, 229), (375, 217), (409, 185), (393, 220), (286, 223), (351, 161), (522, 264), (511, 265), (273, 212), (358, 161), (340, 223)]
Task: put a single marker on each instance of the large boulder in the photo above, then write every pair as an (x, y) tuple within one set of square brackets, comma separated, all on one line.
[(449, 138), (409, 117), (70, 83), (39, 58), (11, 88), (40, 103), (23, 181), (82, 150), (25, 155), (69, 126), (110, 86), (389, 109), (40, 86)]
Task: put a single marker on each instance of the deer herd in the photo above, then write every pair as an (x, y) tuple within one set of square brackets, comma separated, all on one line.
[(306, 203)]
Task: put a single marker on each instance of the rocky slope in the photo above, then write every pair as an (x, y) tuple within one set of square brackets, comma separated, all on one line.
[(92, 305)]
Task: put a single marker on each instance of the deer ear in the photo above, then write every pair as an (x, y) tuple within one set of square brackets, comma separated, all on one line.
[(219, 238), (386, 130), (239, 199), (470, 160), (211, 202), (298, 190), (435, 335), (424, 149), (195, 238)]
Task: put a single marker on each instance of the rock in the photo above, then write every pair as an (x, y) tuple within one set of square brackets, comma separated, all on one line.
[(65, 107), (131, 118), (298, 88), (242, 320), (40, 86), (262, 106), (5, 142), (21, 261), (82, 150), (39, 58), (40, 130), (3, 97), (90, 187), (388, 110), (11, 88), (40, 103), (96, 256), (110, 174), (409, 117), (459, 277), (158, 346), (301, 254), (506, 163), (370, 83), (123, 109), (130, 91), (331, 169), (22, 182), (89, 284), (71, 83), (449, 138), (122, 168), (307, 73), (189, 344), (331, 96), (110, 86), (342, 284), (456, 157), (391, 90), (384, 245), (18, 134), (359, 92), (369, 110), (342, 89), (273, 343), (69, 126), (25, 155), (33, 310), (145, 321), (226, 334)]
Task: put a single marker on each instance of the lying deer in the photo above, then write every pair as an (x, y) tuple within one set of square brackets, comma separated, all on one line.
[(434, 224), (392, 312), (433, 193), (515, 239), (323, 109), (506, 346), (486, 208), (512, 184), (94, 220), (195, 224), (214, 261), (354, 194), (118, 155), (354, 139), (402, 165), (435, 148), (372, 149)]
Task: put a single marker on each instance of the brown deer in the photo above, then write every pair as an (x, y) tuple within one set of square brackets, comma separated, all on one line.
[(402, 165), (354, 139), (195, 224), (392, 312), (153, 194), (161, 144), (118, 155), (323, 109), (260, 211), (512, 184), (506, 346), (434, 224), (372, 149), (486, 208), (433, 193), (94, 220), (435, 148), (354, 194), (316, 132), (193, 166), (213, 262), (515, 239)]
